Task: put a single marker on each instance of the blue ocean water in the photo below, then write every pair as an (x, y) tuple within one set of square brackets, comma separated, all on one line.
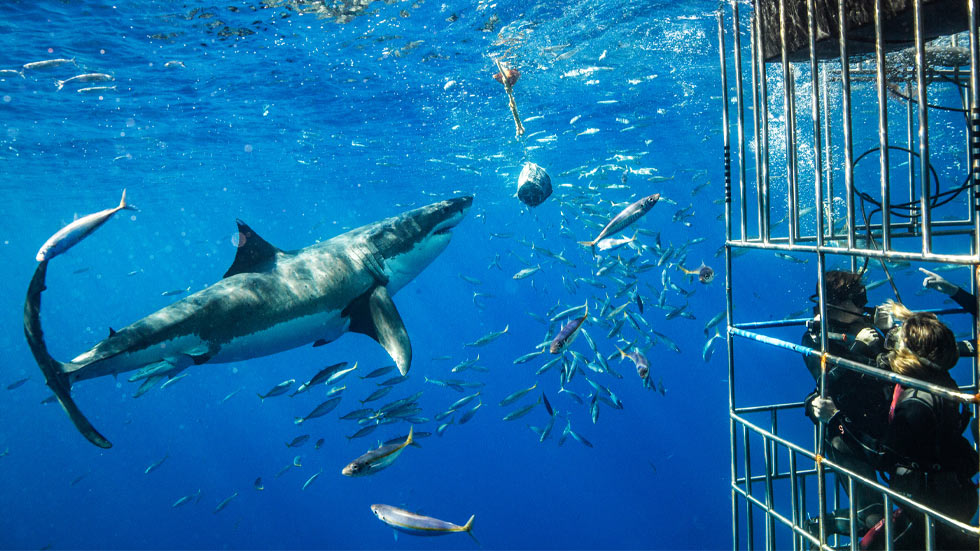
[(306, 126)]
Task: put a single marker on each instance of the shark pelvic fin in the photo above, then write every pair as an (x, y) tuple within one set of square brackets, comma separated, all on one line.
[(254, 253), (374, 314)]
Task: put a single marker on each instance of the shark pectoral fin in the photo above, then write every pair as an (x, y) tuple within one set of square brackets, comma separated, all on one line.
[(254, 253), (200, 355), (375, 315)]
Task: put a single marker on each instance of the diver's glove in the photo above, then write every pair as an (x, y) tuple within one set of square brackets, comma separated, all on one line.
[(823, 409), (819, 409), (937, 282), (868, 343)]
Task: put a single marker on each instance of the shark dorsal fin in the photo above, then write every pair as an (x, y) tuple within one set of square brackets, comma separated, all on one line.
[(112, 332), (254, 253), (374, 314)]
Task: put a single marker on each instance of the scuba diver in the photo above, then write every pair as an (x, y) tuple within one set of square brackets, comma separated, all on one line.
[(856, 405), (923, 453)]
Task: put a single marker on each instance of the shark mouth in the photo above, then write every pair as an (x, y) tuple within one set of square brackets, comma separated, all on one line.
[(446, 226)]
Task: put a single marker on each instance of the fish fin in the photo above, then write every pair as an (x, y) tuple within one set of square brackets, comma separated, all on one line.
[(320, 342), (298, 420), (112, 332), (374, 314), (468, 528), (254, 253), (54, 371), (123, 205), (622, 355), (395, 534), (201, 358), (409, 441)]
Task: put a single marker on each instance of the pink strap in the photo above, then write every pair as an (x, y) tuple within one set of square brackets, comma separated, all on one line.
[(896, 394)]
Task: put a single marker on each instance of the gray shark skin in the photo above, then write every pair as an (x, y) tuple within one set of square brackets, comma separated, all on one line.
[(269, 301)]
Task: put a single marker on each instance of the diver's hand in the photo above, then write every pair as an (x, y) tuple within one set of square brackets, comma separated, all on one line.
[(869, 336), (936, 282), (823, 409)]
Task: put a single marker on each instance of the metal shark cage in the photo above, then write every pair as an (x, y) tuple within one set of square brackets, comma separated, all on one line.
[(803, 84)]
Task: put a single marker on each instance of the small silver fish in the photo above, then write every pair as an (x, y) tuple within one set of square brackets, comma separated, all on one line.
[(224, 503), (69, 236), (87, 77), (416, 524)]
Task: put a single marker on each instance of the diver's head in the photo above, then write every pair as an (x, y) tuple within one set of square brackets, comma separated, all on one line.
[(923, 346), (846, 296)]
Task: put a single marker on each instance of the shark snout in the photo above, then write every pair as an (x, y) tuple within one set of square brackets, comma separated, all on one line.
[(452, 210)]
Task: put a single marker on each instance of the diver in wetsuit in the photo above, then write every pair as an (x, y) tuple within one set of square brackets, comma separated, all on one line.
[(856, 405), (923, 453)]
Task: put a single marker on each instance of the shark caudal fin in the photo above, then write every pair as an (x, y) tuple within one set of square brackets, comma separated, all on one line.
[(53, 370)]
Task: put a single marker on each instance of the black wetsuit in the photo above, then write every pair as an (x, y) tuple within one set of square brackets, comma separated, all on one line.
[(965, 301), (928, 459), (855, 431)]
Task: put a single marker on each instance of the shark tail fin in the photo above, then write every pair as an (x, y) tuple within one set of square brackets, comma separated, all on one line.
[(54, 372)]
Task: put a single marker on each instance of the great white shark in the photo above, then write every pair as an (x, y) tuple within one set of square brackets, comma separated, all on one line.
[(269, 301)]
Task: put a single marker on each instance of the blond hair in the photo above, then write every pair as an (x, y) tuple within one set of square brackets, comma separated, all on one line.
[(925, 345)]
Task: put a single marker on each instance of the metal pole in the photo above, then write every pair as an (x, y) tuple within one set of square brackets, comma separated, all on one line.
[(749, 528), (794, 493), (815, 112), (764, 117), (921, 83), (770, 526), (974, 131), (739, 120), (756, 122), (728, 266), (845, 75), (882, 130), (827, 208), (789, 113)]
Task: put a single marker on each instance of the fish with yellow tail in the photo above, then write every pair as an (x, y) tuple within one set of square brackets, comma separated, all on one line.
[(69, 236), (568, 333), (624, 219), (419, 525), (377, 459), (704, 272)]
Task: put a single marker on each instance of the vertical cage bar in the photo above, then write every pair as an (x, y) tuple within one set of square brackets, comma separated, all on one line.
[(756, 122), (749, 517), (764, 118), (815, 113), (889, 527), (973, 128), (886, 232), (827, 208), (852, 516), (794, 493), (790, 115), (921, 84), (910, 126), (845, 75), (770, 522), (728, 265), (930, 541), (739, 121)]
